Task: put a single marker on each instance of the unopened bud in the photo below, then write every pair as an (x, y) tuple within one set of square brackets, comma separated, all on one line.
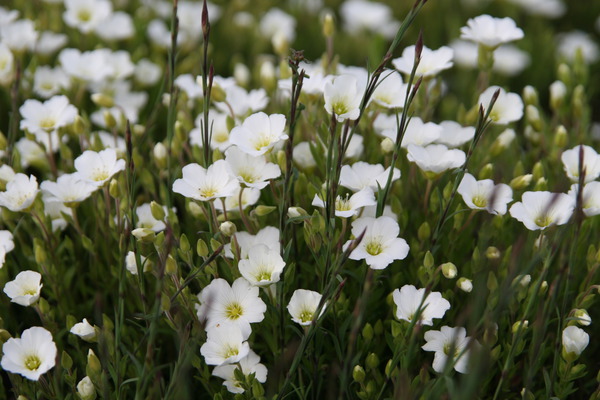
[(158, 211), (295, 212), (560, 137), (530, 95), (86, 389), (93, 362), (138, 129), (328, 25), (428, 260), (583, 318), (558, 92), (367, 332), (464, 284), (227, 228), (372, 361), (113, 189), (424, 232), (195, 209), (109, 119), (358, 374), (492, 253), (160, 154), (521, 182), (103, 100), (201, 248), (171, 265), (184, 243), (449, 270), (522, 280), (520, 326), (261, 210), (486, 172), (217, 93), (387, 145), (538, 171), (541, 185), (143, 234), (533, 117), (241, 73), (78, 126), (267, 76)]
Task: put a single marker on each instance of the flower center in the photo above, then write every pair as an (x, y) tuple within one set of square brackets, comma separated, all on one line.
[(220, 137), (234, 311), (32, 362), (47, 123), (543, 220), (343, 204), (248, 177), (374, 248), (99, 175), (263, 140), (30, 292), (263, 275), (479, 201), (447, 348), (306, 316), (230, 351), (84, 15), (340, 107), (208, 192)]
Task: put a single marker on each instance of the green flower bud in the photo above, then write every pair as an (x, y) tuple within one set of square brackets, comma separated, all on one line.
[(533, 117), (521, 182), (449, 270), (109, 120), (560, 137), (227, 228), (492, 253), (328, 25), (103, 100), (564, 74), (486, 172), (261, 210), (372, 361), (367, 332), (358, 374), (464, 284), (158, 211), (583, 318), (171, 265), (201, 248), (428, 260), (184, 243), (530, 95), (424, 232), (387, 145), (93, 363), (217, 93), (520, 326)]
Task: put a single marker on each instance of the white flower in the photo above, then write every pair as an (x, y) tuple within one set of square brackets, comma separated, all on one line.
[(19, 35), (25, 288), (206, 184), (391, 91), (574, 341), (484, 195), (464, 284), (435, 158), (131, 263), (539, 210), (262, 267), (591, 163), (50, 42), (417, 132), (346, 207), (54, 210), (145, 219), (48, 116), (219, 138), (507, 108), (355, 147), (432, 61), (276, 23), (86, 389), (590, 197), (303, 305), (97, 168), (359, 15), (380, 245), (544, 8), (7, 64), (251, 171), (303, 156), (491, 32), (454, 134), (342, 98), (146, 72), (247, 365), (6, 245), (47, 81), (268, 236), (250, 197), (117, 26), (445, 340), (86, 15), (84, 330), (240, 102), (20, 193), (508, 59), (32, 355), (570, 43), (7, 16), (583, 318), (69, 189), (362, 175), (259, 133), (408, 299), (238, 303), (90, 66), (225, 344)]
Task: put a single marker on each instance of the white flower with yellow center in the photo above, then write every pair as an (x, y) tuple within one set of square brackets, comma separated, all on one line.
[(539, 210), (484, 195), (591, 163), (342, 98), (268, 236), (362, 175), (432, 61), (262, 267), (391, 90), (590, 197), (225, 344), (251, 171), (346, 207), (25, 288), (507, 108), (69, 189), (239, 304), (574, 341), (32, 355), (380, 245), (48, 116), (408, 299), (86, 15), (206, 184), (454, 134), (450, 345), (435, 158), (97, 168), (259, 133), (491, 32), (20, 193), (247, 365), (417, 132), (303, 305)]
